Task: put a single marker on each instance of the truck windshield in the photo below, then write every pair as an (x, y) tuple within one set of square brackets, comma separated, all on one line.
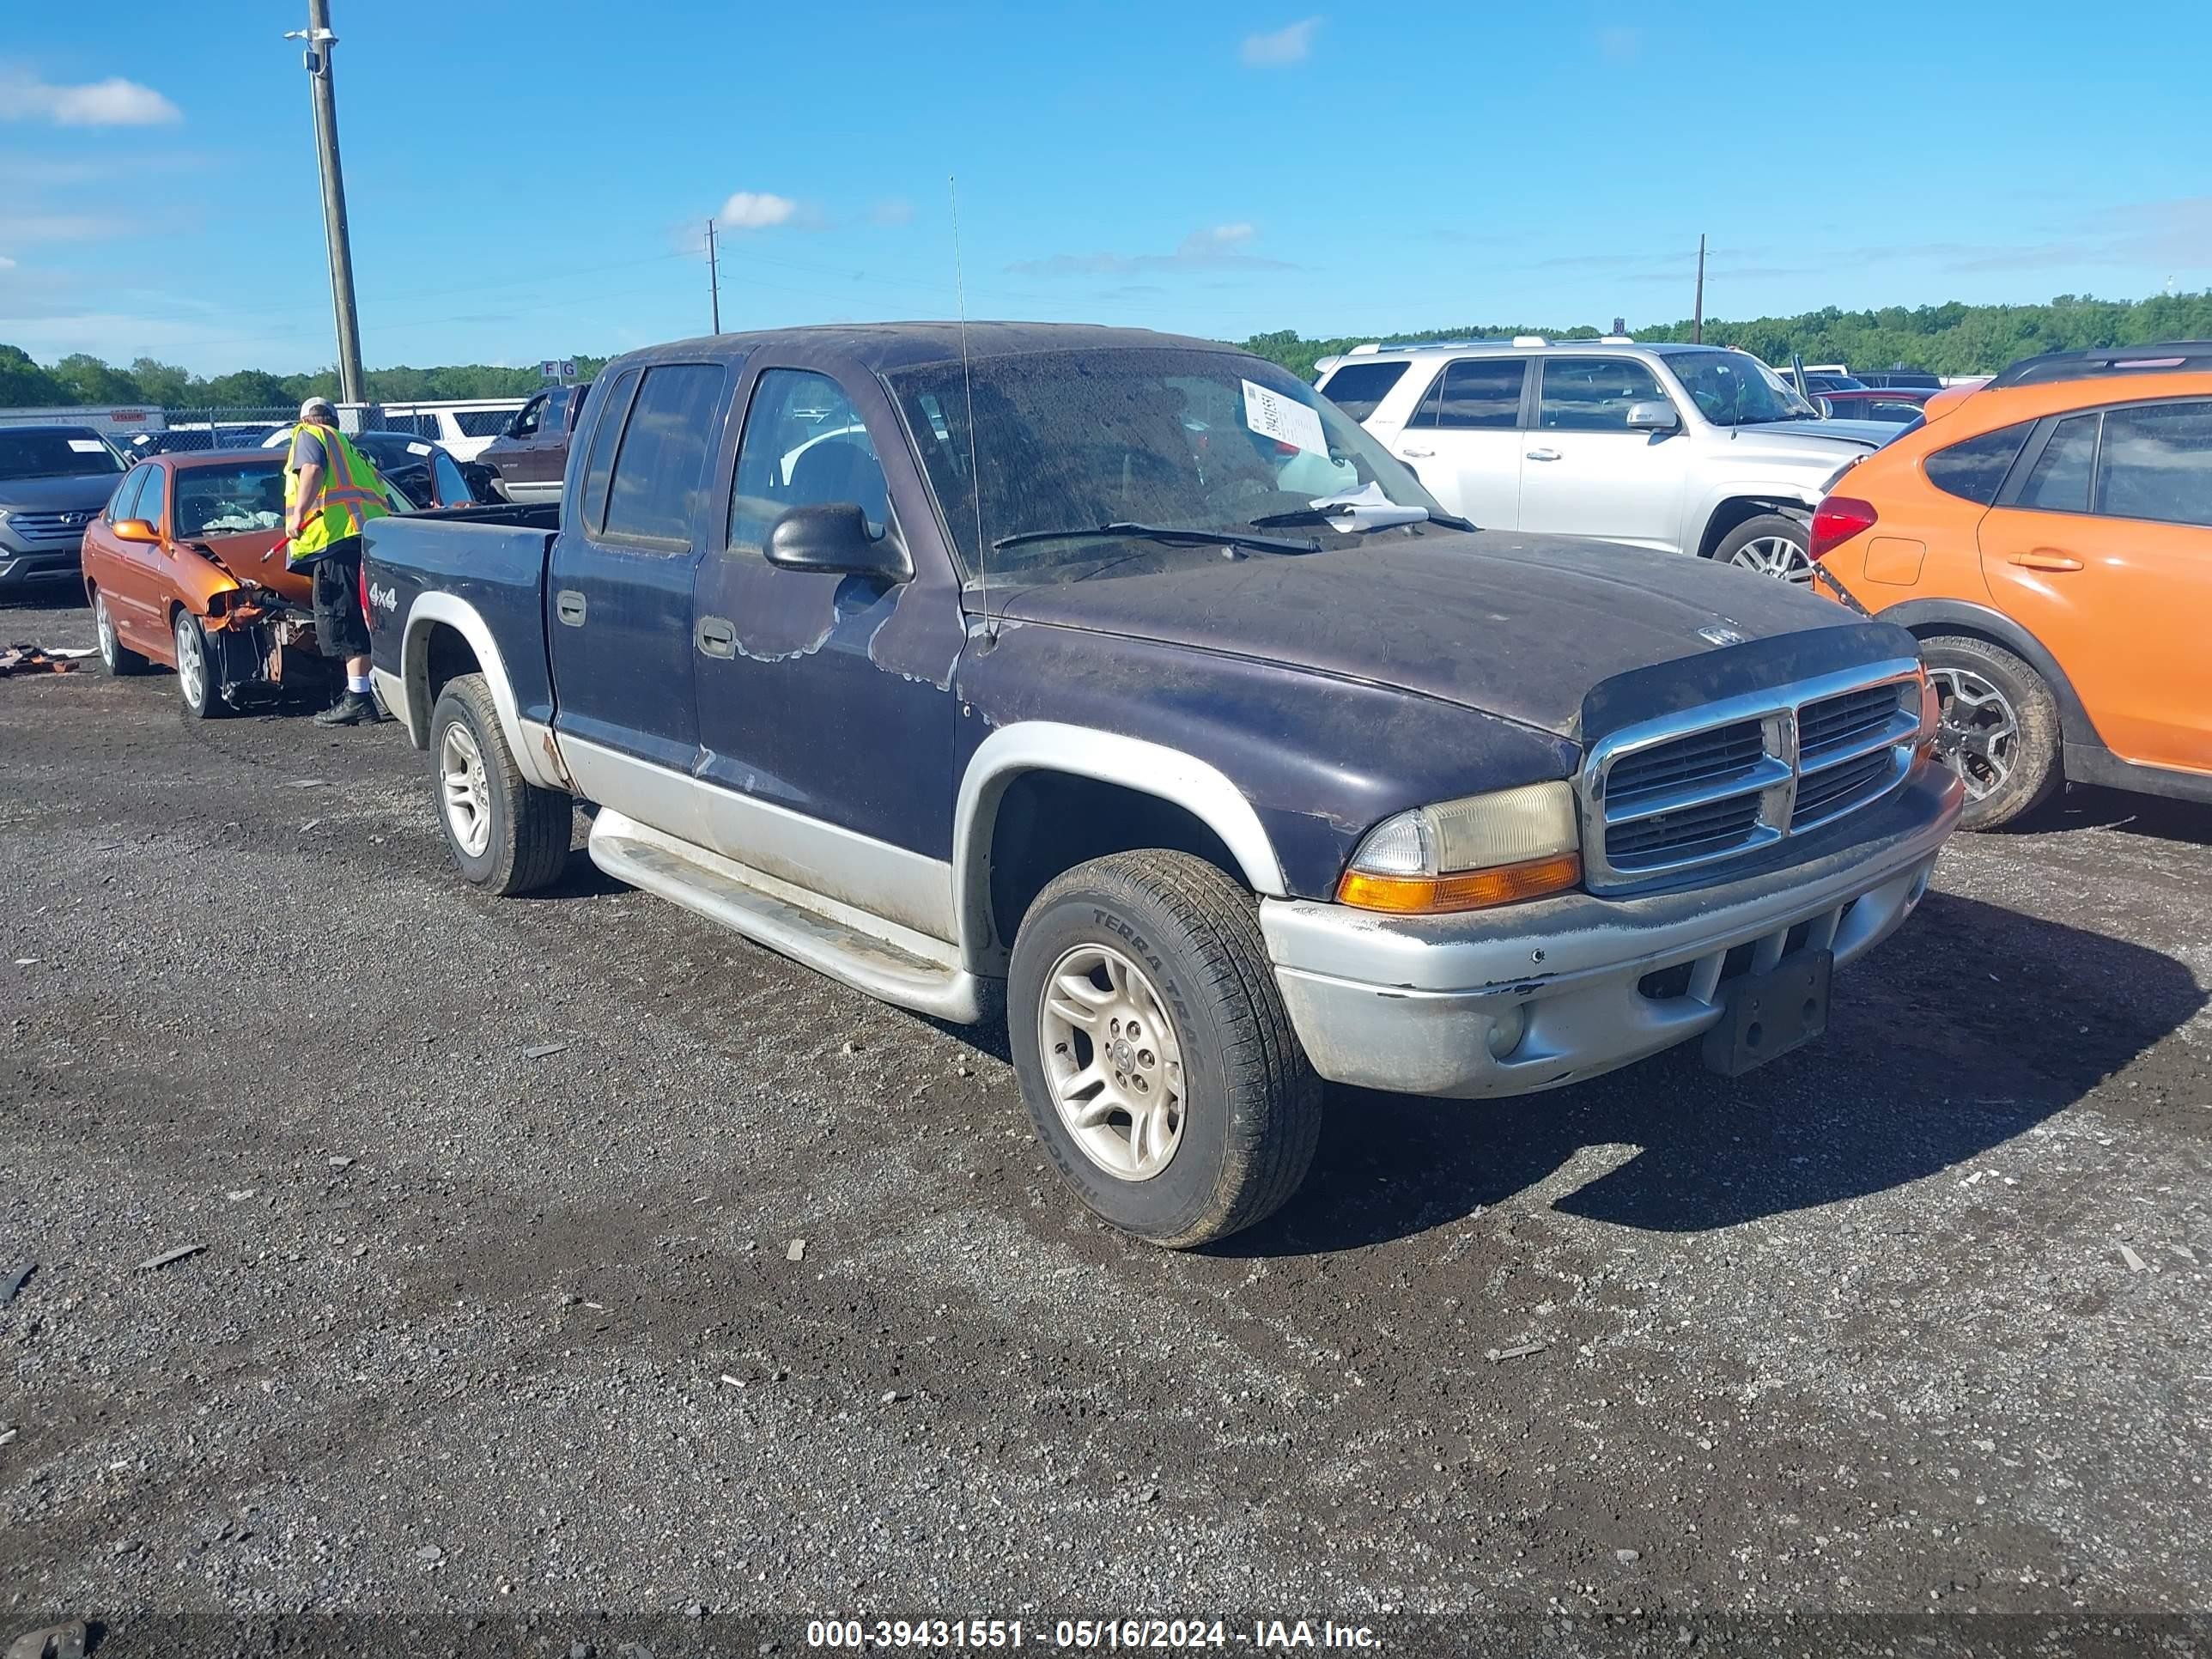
[(55, 453), (1734, 388), (1197, 444)]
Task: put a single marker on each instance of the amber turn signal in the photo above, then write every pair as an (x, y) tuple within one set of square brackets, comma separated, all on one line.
[(1465, 889)]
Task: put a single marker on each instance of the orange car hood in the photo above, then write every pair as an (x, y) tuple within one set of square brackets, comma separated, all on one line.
[(254, 557)]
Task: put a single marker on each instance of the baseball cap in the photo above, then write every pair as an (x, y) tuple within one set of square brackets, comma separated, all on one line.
[(317, 406)]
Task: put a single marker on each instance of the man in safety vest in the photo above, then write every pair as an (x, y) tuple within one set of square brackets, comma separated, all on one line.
[(330, 493)]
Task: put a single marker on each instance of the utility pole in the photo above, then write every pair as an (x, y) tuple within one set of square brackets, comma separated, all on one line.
[(713, 279), (321, 38), (1698, 317)]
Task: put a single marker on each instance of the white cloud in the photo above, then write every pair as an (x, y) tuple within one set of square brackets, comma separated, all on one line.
[(1222, 247), (751, 209), (891, 210), (6, 264), (113, 102), (1284, 45)]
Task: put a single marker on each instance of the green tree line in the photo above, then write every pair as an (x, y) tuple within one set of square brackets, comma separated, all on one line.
[(82, 378), (1951, 339)]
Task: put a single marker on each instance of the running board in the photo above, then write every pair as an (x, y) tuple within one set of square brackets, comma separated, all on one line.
[(882, 958)]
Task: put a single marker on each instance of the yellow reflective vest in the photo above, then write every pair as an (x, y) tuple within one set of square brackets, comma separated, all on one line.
[(351, 493)]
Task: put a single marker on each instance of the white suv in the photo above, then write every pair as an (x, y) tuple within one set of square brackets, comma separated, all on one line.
[(1691, 449)]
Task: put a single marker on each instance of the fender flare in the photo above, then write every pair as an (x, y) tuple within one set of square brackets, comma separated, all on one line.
[(1923, 617), (430, 609), (1775, 495), (1151, 769)]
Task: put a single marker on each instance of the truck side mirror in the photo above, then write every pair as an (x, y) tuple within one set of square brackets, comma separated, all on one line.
[(834, 538), (1652, 417)]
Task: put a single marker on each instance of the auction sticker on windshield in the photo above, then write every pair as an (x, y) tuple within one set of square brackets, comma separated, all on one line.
[(1284, 419), (86, 446)]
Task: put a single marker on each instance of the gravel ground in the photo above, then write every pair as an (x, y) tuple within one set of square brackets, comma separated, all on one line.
[(498, 1308)]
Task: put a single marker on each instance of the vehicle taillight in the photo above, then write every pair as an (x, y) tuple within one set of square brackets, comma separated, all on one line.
[(1837, 519)]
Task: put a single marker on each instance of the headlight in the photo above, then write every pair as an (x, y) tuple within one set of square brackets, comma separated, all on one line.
[(1468, 854)]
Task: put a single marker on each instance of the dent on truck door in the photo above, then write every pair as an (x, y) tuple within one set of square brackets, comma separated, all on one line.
[(619, 593), (822, 695)]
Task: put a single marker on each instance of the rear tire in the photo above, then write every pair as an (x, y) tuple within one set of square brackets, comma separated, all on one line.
[(117, 657), (1772, 544), (2000, 730), (196, 686), (1141, 994), (508, 836)]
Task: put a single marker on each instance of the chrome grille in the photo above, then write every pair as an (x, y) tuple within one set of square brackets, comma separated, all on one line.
[(51, 526), (1718, 782)]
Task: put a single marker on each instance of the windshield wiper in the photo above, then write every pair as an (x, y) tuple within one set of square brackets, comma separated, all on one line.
[(1173, 535), (1346, 510)]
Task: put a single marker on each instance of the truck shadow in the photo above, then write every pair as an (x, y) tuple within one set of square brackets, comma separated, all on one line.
[(2134, 815), (1970, 1027)]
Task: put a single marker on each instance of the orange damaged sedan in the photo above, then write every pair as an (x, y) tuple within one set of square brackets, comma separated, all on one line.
[(2049, 540), (185, 569)]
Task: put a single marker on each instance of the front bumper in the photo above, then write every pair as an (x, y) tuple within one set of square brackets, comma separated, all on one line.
[(1532, 996), (22, 567)]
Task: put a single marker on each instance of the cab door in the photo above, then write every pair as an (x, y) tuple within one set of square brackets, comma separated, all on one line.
[(618, 593), (826, 717), (1587, 472), (1465, 441), (2103, 550)]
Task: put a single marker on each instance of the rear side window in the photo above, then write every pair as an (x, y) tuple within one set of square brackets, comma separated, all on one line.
[(654, 495), (2157, 464), (1358, 388), (1975, 469), (1475, 393), (2059, 481), (601, 460), (483, 423)]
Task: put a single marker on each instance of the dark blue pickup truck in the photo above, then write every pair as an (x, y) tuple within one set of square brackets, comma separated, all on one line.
[(1122, 682)]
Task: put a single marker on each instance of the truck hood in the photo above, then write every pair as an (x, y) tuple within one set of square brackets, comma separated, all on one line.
[(1510, 624), (86, 492)]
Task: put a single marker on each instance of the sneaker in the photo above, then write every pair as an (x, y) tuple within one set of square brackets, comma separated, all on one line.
[(351, 709)]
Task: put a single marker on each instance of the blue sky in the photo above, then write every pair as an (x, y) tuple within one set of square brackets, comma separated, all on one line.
[(534, 180)]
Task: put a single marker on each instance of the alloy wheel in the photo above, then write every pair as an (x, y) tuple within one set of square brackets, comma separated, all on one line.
[(191, 663), (1113, 1062), (1978, 736), (1774, 556), (463, 794)]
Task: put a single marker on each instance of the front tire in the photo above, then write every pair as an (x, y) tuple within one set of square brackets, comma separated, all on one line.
[(117, 657), (196, 686), (507, 834), (2000, 728), (1154, 1052), (1772, 545)]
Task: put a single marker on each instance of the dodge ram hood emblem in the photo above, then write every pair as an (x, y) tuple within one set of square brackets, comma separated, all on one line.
[(1715, 633)]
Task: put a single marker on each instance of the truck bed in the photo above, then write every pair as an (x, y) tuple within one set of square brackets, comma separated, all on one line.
[(490, 558)]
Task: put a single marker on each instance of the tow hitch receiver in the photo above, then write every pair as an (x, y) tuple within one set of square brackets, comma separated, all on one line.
[(1767, 1015)]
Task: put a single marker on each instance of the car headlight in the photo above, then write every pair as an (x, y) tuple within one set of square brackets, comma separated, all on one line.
[(1468, 854)]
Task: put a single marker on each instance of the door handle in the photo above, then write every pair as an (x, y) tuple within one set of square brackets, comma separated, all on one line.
[(1413, 454), (716, 637), (1543, 455), (2046, 558), (569, 606)]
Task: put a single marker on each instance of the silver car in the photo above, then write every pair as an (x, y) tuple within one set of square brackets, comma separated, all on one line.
[(1686, 448)]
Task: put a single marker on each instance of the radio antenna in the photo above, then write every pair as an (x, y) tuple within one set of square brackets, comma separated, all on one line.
[(968, 381)]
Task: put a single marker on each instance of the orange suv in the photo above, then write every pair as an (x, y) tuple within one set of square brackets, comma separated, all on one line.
[(2049, 539)]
